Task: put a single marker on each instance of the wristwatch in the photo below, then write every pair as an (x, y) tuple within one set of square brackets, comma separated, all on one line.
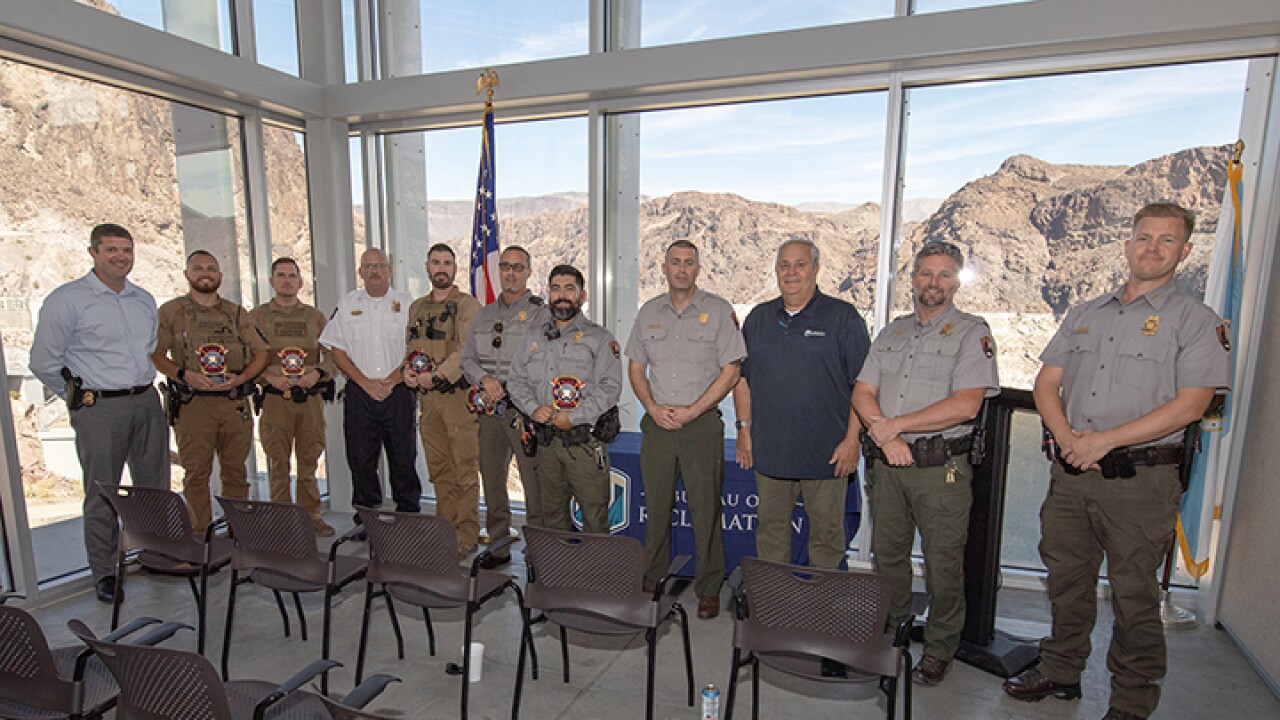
[(739, 424)]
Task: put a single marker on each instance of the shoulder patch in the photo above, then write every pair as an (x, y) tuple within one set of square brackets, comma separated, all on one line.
[(1224, 335), (988, 346), (733, 314), (617, 352)]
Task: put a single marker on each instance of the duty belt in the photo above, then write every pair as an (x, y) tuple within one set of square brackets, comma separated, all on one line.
[(1122, 462), (926, 452), (135, 390)]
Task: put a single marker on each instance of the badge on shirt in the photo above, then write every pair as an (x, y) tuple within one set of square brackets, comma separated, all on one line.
[(988, 346), (357, 312), (395, 306), (522, 316), (946, 330), (1080, 331), (1151, 326), (814, 333), (566, 392), (703, 318), (1224, 336), (577, 337), (293, 361)]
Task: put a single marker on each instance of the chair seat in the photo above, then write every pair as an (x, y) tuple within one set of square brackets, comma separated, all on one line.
[(810, 667), (347, 568), (447, 592), (243, 695), (185, 560)]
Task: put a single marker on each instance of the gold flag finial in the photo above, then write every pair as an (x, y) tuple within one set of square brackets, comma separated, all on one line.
[(1237, 151), (487, 83)]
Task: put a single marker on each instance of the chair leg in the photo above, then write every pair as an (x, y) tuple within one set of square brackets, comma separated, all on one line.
[(302, 618), (115, 602), (651, 640), (324, 639), (564, 651), (364, 632), (466, 658), (395, 623), (527, 631), (732, 692), (195, 591), (284, 616), (202, 608), (431, 632), (906, 685), (524, 632), (755, 688), (688, 651), (891, 693), (226, 631)]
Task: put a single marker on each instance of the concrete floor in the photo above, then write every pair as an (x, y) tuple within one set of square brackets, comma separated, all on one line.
[(1208, 678)]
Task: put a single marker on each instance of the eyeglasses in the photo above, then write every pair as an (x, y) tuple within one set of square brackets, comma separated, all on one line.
[(497, 341), (518, 267), (375, 266)]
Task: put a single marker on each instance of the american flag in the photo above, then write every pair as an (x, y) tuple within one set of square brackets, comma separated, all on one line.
[(484, 228)]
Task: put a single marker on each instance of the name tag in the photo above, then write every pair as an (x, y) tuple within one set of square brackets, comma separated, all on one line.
[(814, 333)]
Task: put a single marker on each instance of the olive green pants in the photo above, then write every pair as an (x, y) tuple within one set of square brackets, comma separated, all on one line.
[(823, 506), (574, 472), (1131, 521), (935, 501), (499, 441), (695, 454)]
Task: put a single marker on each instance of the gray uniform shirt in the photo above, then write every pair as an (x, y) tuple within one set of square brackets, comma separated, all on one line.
[(915, 365), (582, 350), (1120, 361), (512, 323), (685, 352)]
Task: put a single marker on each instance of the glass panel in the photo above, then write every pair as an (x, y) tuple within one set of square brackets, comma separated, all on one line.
[(478, 33), (204, 21), (356, 149), (930, 6), (664, 22), (738, 180), (1037, 180), (350, 47), (1028, 483), (275, 32), (92, 153), (541, 184)]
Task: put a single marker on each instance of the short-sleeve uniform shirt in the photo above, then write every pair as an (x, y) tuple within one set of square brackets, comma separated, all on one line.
[(685, 351), (915, 365), (1121, 361), (371, 331)]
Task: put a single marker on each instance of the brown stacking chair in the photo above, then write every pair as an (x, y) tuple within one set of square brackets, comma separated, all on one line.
[(155, 522), (39, 682), (414, 559), (275, 547), (826, 625), (595, 584), (181, 685)]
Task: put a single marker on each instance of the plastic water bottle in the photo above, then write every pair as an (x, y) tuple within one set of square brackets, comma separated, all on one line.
[(711, 702)]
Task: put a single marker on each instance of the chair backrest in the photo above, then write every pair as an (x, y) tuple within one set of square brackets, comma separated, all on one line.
[(277, 537), (830, 613), (154, 519), (414, 549), (160, 683), (28, 673), (601, 575)]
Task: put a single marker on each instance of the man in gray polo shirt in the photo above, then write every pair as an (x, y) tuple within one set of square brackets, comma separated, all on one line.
[(917, 395), (685, 350), (1123, 376)]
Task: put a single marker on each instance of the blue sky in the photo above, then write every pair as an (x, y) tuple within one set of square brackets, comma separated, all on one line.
[(810, 150)]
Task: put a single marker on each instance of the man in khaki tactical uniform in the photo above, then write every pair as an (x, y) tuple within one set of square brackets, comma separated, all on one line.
[(567, 375), (917, 396), (298, 376), (211, 350), (498, 333), (438, 324)]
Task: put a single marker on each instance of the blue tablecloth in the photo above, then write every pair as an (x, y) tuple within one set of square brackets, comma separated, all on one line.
[(627, 515)]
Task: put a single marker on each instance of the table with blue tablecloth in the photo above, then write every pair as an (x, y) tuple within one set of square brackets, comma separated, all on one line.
[(627, 515)]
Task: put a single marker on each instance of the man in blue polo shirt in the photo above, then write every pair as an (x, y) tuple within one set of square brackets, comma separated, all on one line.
[(795, 418)]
